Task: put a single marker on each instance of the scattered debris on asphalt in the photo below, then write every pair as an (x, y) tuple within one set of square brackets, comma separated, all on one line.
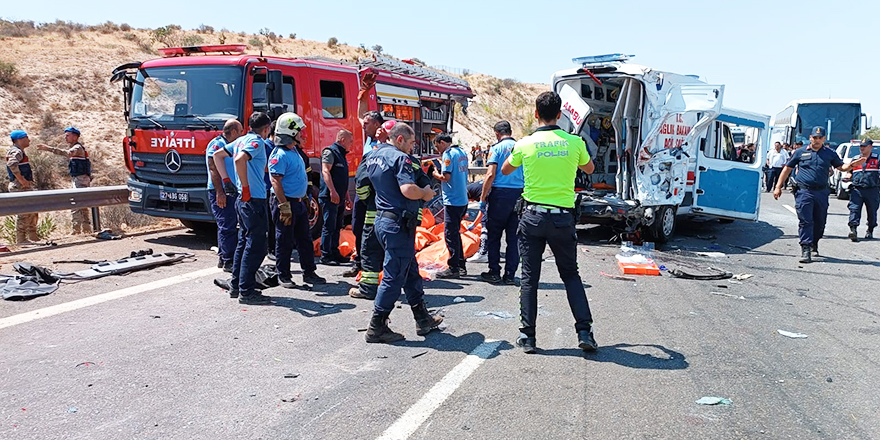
[(729, 295), (382, 357), (291, 375), (792, 335), (711, 400), (85, 364), (616, 277), (711, 254), (328, 306), (742, 276), (496, 314), (72, 410), (713, 275), (459, 299), (829, 380), (155, 316), (419, 354), (106, 234), (291, 399)]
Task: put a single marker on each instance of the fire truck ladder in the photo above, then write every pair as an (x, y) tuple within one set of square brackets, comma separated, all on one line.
[(392, 65)]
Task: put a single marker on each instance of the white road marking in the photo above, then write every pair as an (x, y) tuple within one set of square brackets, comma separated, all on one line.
[(104, 297), (410, 421), (793, 211)]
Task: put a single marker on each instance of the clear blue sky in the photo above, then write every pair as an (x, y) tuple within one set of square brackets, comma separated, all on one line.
[(767, 52)]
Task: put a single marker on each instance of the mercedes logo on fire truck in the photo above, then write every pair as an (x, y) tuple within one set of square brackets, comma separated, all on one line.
[(172, 161)]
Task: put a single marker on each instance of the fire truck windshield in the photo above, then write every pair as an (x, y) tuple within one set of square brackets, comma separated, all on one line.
[(169, 96)]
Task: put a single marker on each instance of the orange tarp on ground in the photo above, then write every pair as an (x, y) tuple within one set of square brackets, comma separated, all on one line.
[(428, 220)]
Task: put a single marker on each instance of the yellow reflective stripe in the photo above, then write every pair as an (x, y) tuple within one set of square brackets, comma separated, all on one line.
[(363, 192), (370, 277), (420, 214), (370, 218)]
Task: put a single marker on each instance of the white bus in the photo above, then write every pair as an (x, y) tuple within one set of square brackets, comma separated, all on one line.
[(842, 118)]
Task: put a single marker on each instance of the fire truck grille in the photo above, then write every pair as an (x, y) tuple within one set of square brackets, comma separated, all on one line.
[(193, 171)]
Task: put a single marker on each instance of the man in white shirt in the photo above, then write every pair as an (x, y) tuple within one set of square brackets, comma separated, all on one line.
[(776, 160)]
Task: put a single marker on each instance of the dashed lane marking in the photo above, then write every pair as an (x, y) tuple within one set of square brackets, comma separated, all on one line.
[(410, 421), (104, 297)]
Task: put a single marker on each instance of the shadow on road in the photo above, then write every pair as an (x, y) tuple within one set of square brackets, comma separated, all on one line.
[(447, 300), (339, 288), (309, 308), (191, 241), (466, 343), (443, 284), (620, 355)]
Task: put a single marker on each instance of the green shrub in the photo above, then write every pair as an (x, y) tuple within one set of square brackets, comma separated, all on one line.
[(125, 27), (192, 40), (332, 42), (8, 73), (255, 42)]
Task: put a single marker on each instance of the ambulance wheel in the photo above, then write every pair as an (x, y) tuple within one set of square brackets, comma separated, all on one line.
[(841, 193), (661, 230), (316, 217)]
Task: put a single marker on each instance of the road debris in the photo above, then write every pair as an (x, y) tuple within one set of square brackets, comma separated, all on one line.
[(419, 354), (616, 277), (496, 314), (290, 399), (291, 375), (729, 295), (106, 234), (714, 275), (328, 306), (85, 364), (459, 299), (711, 400), (742, 276), (792, 335), (155, 316), (72, 410), (711, 254)]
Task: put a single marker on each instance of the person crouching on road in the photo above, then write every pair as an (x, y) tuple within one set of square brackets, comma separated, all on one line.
[(550, 159), (250, 167), (398, 199), (290, 211), (453, 175), (21, 178), (501, 192), (865, 189), (222, 192), (334, 193), (79, 166), (811, 189)]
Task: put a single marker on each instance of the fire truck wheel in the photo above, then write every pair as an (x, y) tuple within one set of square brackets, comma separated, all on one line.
[(316, 217)]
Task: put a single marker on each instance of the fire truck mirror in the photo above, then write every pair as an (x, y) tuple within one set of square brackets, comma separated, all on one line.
[(274, 87)]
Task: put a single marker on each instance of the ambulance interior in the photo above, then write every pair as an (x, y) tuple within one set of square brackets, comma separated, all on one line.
[(615, 111)]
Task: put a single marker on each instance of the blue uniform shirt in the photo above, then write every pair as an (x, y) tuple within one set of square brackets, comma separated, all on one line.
[(455, 162), (368, 145), (389, 168), (813, 166), (214, 146), (497, 155), (288, 165), (270, 146), (255, 147)]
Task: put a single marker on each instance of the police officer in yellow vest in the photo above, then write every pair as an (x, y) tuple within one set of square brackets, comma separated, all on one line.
[(80, 168), (21, 178), (550, 159)]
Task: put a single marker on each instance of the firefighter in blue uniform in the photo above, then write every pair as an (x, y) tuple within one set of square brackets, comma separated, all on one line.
[(289, 184), (813, 162), (391, 172), (222, 192), (865, 189)]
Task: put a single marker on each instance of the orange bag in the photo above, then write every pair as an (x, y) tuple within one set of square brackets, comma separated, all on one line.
[(346, 242), (424, 238), (434, 256), (470, 243), (438, 229), (428, 220)]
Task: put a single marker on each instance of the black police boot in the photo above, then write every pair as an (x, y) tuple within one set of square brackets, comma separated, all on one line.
[(805, 254), (853, 234), (586, 341), (313, 278), (815, 248), (869, 235), (527, 343), (378, 332), (447, 273), (352, 271), (491, 277), (425, 323)]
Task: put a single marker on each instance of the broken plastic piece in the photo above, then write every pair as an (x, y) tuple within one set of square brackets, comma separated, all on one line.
[(616, 277), (496, 314), (792, 335), (459, 299), (291, 375), (742, 276), (711, 400), (717, 275)]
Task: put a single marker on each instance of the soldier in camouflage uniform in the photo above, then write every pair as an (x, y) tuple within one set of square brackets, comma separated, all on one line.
[(21, 178)]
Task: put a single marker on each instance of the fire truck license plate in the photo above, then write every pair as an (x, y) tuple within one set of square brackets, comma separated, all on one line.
[(173, 196)]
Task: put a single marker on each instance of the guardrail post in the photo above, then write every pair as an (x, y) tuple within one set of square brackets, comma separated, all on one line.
[(96, 219)]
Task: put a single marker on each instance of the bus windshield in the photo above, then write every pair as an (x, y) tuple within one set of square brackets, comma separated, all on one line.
[(168, 95), (844, 120)]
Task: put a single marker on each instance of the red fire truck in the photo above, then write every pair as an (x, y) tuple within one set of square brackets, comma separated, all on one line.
[(175, 105)]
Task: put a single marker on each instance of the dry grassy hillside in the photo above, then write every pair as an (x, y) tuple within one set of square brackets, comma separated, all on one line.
[(57, 74)]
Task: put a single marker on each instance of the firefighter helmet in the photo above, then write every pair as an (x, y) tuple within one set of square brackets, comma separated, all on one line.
[(289, 124)]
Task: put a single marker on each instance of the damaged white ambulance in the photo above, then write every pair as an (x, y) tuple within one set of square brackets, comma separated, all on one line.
[(662, 145)]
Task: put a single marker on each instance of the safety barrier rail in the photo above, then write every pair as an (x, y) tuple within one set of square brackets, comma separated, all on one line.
[(30, 202)]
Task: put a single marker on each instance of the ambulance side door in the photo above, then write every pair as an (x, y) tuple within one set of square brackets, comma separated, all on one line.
[(725, 187)]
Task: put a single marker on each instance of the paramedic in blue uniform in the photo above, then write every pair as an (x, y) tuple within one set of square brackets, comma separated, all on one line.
[(219, 183), (813, 163), (253, 213), (398, 199), (501, 192), (550, 159), (289, 202), (865, 189), (453, 175), (334, 193)]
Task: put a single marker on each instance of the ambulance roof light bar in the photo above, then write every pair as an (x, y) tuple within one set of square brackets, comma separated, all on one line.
[(598, 59), (227, 49)]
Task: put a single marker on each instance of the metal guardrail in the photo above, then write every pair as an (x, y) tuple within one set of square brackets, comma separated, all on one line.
[(30, 202)]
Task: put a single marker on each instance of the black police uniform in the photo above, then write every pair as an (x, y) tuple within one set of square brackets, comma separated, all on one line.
[(811, 198), (865, 191), (333, 213)]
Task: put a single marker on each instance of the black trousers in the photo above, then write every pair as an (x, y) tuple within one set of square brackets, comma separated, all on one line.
[(454, 215), (536, 231)]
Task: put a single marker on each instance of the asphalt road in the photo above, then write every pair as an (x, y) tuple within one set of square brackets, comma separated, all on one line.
[(177, 359)]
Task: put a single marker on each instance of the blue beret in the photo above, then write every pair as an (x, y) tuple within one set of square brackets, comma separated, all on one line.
[(18, 134), (72, 130)]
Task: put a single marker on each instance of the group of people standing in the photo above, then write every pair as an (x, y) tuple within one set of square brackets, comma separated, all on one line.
[(21, 178)]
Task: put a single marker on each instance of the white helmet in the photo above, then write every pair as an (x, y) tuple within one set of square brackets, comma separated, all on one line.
[(289, 124)]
